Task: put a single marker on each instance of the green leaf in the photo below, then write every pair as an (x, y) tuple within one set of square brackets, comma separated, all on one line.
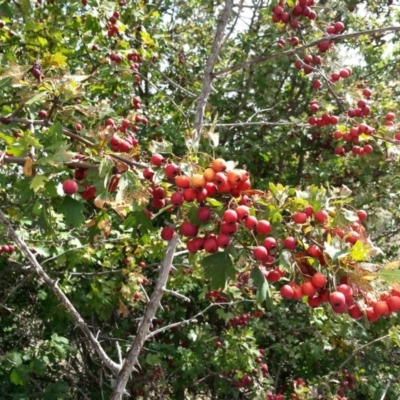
[(59, 339), (218, 268), (72, 210), (37, 98), (160, 147), (260, 283), (38, 182), (152, 359), (390, 275), (18, 377), (334, 253)]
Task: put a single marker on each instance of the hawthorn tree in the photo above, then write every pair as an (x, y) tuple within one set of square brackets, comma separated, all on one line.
[(197, 199)]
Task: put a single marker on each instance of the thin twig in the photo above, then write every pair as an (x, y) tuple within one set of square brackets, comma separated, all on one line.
[(144, 326), (352, 355), (176, 294), (260, 59)]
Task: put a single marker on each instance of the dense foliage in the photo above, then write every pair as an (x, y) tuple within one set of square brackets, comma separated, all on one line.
[(255, 144)]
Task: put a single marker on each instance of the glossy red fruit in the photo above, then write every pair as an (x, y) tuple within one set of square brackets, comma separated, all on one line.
[(88, 193), (273, 276), (381, 308), (190, 194), (337, 299), (269, 243), (361, 214), (319, 280), (242, 212), (287, 292), (230, 216), (355, 312), (314, 301), (42, 114), (210, 245), (204, 214), (308, 288), (148, 174), (290, 243), (70, 186), (321, 216), (345, 289), (188, 229), (263, 227), (393, 303), (300, 218), (223, 240), (182, 181), (250, 222), (167, 233), (177, 199), (157, 159), (171, 171), (371, 315), (260, 253), (314, 251), (80, 174)]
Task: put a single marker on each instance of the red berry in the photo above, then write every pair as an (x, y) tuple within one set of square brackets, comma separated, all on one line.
[(308, 289), (321, 216), (290, 243), (263, 227), (157, 159), (287, 292), (250, 222), (204, 214), (260, 253), (319, 280), (167, 233), (189, 230), (269, 243), (300, 218), (230, 216), (337, 299), (70, 186)]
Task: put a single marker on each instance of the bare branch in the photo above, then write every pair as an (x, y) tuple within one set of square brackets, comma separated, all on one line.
[(352, 355), (144, 326), (208, 74), (260, 59), (187, 321), (260, 123), (114, 367), (176, 294)]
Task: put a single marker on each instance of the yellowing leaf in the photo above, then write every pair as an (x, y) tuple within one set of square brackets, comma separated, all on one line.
[(392, 265), (28, 167), (359, 252), (123, 309), (147, 40), (38, 182), (57, 60)]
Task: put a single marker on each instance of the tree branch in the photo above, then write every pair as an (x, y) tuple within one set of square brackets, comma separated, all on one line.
[(114, 367), (260, 59), (143, 330), (208, 74)]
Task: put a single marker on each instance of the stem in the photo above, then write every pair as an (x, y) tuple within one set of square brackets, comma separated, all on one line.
[(144, 327), (208, 74)]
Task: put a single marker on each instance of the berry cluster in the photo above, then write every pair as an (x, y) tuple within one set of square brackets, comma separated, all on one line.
[(301, 9), (7, 248)]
